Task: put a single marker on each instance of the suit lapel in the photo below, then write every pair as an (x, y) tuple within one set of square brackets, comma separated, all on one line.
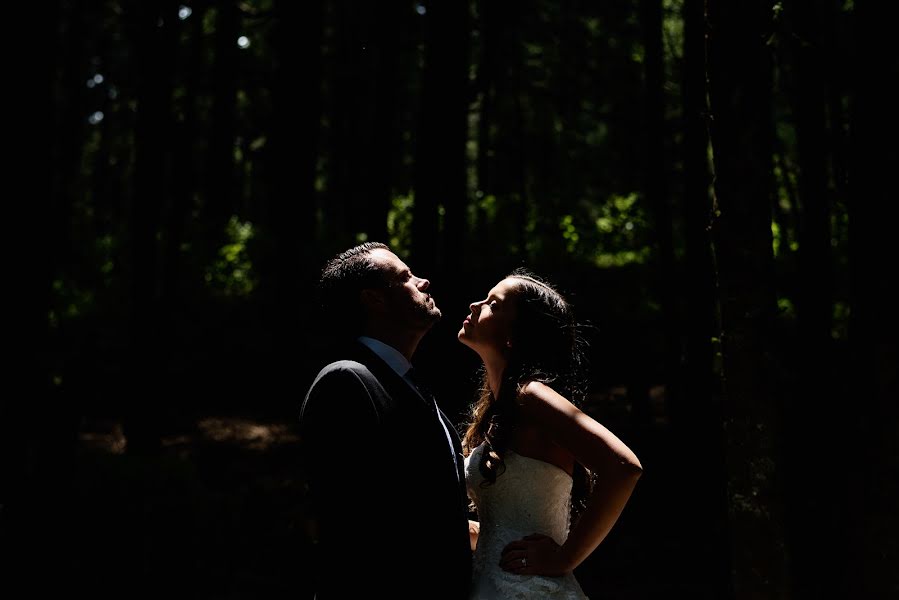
[(396, 386), (457, 445)]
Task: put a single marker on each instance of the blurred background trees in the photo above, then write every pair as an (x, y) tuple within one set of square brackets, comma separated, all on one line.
[(707, 181)]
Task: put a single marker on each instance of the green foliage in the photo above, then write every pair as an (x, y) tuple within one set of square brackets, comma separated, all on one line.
[(786, 307), (673, 26), (775, 238), (399, 223), (621, 231), (569, 233), (840, 324), (488, 204), (231, 274), (69, 301)]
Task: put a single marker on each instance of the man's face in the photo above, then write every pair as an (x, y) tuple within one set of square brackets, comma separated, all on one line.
[(405, 300)]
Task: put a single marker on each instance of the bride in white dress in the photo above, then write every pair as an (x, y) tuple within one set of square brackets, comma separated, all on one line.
[(532, 455)]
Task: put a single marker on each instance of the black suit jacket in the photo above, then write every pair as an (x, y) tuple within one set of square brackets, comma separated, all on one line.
[(388, 495)]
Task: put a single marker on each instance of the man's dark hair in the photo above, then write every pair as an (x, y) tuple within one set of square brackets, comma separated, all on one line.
[(342, 280)]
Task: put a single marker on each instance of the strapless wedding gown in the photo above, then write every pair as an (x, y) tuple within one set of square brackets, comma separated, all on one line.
[(530, 496)]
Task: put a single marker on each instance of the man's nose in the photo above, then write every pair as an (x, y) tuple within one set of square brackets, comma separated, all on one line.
[(423, 284)]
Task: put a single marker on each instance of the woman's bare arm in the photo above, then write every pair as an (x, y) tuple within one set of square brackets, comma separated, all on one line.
[(615, 466)]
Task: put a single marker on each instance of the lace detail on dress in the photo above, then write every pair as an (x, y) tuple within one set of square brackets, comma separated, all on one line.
[(530, 496)]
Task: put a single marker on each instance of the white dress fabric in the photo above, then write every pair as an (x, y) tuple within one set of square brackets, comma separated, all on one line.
[(530, 496)]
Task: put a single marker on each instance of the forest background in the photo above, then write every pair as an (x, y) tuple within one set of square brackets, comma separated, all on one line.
[(710, 182)]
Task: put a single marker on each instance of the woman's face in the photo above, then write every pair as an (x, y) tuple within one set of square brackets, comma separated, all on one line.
[(489, 326)]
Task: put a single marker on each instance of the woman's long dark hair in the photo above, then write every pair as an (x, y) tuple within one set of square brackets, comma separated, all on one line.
[(546, 346)]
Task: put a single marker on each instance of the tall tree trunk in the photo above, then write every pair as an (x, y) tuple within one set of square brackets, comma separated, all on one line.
[(486, 90), (811, 458), (740, 76), (221, 174), (37, 441), (184, 167), (658, 203), (291, 157), (696, 411), (440, 174), (503, 22), (571, 94), (872, 421), (383, 144), (175, 218), (144, 408)]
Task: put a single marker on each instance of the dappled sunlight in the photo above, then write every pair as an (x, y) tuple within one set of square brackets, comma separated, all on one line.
[(106, 436), (245, 432), (232, 273), (399, 223)]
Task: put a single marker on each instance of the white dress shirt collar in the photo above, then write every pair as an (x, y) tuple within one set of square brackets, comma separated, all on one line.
[(388, 354)]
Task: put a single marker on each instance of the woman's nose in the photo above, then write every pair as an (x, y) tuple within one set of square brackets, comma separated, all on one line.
[(473, 306)]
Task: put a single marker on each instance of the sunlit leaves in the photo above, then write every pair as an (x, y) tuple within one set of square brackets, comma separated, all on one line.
[(69, 302), (569, 232), (231, 274), (621, 231), (399, 223)]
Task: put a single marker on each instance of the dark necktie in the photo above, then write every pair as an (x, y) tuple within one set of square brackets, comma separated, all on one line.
[(426, 393), (422, 388)]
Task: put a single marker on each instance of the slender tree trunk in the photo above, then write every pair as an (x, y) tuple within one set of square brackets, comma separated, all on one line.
[(144, 400), (486, 90), (740, 76), (507, 165), (175, 268), (571, 65), (184, 168), (440, 173), (384, 141), (36, 450), (290, 166), (696, 411), (656, 194), (870, 435), (221, 175), (811, 458)]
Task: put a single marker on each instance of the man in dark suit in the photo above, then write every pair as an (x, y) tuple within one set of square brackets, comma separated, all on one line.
[(384, 463)]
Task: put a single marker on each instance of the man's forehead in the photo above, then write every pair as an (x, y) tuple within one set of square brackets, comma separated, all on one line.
[(388, 259)]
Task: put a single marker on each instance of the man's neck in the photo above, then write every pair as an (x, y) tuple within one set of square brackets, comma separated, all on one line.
[(404, 343)]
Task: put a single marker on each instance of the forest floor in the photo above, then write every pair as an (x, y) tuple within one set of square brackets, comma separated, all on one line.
[(220, 513)]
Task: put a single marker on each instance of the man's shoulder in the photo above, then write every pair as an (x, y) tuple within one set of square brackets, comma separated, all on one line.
[(344, 369), (346, 378), (345, 364)]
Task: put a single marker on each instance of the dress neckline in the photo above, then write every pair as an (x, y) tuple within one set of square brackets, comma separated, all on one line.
[(554, 466)]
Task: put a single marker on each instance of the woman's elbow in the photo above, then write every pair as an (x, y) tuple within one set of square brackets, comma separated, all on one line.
[(633, 468)]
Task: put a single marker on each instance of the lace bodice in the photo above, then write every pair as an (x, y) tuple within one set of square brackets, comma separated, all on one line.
[(530, 496)]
